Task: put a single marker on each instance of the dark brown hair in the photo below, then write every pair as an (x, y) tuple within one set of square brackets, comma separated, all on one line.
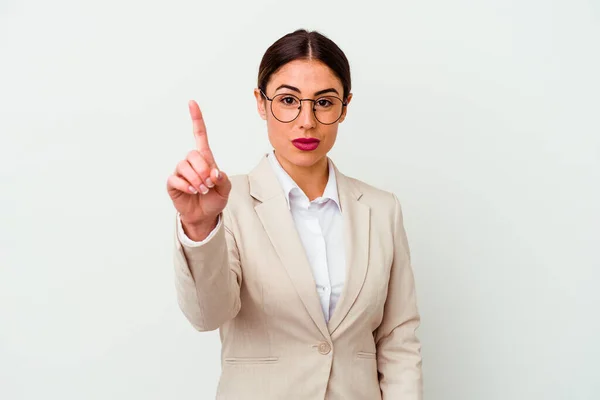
[(304, 45)]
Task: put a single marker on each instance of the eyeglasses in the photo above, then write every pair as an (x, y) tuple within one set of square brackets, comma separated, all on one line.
[(286, 108)]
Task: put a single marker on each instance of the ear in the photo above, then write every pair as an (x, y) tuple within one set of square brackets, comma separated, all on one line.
[(345, 111), (260, 104)]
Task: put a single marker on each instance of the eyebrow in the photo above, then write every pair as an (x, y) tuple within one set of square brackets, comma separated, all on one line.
[(295, 89)]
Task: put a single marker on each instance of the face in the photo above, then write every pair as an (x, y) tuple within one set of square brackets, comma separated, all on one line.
[(304, 79)]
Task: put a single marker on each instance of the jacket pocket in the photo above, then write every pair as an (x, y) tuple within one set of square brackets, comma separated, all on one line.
[(364, 354), (251, 360)]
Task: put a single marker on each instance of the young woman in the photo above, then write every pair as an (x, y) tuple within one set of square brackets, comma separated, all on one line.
[(305, 271)]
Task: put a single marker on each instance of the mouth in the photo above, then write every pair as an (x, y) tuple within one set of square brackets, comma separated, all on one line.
[(306, 144)]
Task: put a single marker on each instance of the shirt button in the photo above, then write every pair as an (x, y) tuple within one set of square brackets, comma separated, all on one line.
[(324, 348)]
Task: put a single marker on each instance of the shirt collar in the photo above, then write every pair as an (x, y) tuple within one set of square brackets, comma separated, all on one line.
[(288, 184)]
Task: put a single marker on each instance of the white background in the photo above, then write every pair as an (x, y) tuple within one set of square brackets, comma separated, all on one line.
[(482, 116)]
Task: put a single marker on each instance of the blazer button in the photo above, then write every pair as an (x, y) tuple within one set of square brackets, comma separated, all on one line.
[(324, 348)]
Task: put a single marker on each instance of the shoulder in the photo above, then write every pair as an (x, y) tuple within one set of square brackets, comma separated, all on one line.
[(385, 209), (374, 196), (239, 184), (240, 190)]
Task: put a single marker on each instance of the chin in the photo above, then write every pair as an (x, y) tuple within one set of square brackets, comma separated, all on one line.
[(305, 158)]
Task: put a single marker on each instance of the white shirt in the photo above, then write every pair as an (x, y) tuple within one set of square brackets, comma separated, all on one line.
[(319, 225)]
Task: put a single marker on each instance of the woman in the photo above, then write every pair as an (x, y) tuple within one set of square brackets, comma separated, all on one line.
[(305, 271)]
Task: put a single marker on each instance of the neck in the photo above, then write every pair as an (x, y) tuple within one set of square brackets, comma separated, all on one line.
[(311, 180)]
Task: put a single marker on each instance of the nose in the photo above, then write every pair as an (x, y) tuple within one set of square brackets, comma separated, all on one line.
[(307, 119)]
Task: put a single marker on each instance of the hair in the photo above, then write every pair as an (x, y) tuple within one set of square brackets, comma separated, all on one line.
[(304, 45)]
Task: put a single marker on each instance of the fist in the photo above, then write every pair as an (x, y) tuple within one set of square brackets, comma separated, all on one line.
[(198, 189)]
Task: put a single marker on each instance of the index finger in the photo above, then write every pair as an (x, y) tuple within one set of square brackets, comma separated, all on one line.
[(200, 132)]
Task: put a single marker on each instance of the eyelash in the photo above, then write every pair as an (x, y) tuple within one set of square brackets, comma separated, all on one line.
[(288, 97), (317, 101)]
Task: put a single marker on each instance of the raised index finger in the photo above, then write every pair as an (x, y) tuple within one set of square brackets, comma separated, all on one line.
[(200, 132)]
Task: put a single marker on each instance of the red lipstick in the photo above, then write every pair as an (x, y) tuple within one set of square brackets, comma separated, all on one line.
[(306, 144)]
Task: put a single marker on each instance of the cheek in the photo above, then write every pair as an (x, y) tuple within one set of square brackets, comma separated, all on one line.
[(330, 135), (278, 133)]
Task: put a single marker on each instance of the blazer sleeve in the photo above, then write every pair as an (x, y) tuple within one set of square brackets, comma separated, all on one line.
[(208, 278), (398, 348)]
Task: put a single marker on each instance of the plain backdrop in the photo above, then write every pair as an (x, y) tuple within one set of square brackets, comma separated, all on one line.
[(482, 116)]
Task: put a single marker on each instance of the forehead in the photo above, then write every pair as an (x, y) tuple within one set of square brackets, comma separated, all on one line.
[(307, 75)]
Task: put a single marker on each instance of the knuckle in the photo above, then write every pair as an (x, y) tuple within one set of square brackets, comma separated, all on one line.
[(193, 177), (181, 166), (204, 172), (192, 155), (200, 168), (195, 182), (174, 182), (206, 154)]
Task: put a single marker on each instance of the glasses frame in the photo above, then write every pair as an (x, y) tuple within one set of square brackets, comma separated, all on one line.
[(344, 104)]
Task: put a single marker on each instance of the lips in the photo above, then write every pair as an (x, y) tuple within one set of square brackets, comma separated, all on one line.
[(306, 144)]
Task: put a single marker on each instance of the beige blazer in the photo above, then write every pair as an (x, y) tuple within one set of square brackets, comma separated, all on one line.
[(252, 281)]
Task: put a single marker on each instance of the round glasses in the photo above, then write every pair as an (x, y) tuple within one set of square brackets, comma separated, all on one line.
[(286, 108)]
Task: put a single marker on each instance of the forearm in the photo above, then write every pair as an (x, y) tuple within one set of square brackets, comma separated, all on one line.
[(399, 363), (398, 348), (208, 279)]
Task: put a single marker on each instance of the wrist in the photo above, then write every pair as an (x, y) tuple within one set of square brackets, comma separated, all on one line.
[(198, 231)]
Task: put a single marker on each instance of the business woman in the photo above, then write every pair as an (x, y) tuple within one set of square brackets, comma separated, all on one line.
[(305, 271)]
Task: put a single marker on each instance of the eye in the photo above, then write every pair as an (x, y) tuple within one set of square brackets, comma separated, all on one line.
[(324, 103), (288, 100)]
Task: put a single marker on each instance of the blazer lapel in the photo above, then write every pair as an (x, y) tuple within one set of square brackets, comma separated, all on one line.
[(356, 217), (273, 212)]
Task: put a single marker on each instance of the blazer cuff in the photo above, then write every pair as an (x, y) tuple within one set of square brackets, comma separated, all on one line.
[(187, 242)]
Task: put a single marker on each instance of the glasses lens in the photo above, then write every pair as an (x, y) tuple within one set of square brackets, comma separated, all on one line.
[(285, 107), (328, 109)]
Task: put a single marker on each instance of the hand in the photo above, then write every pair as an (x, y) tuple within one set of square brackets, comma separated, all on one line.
[(198, 189)]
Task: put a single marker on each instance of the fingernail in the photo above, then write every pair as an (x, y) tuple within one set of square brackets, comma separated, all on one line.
[(218, 173), (193, 190), (203, 189), (209, 183)]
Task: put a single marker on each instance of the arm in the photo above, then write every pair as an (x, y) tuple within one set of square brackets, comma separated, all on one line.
[(398, 348), (208, 276)]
